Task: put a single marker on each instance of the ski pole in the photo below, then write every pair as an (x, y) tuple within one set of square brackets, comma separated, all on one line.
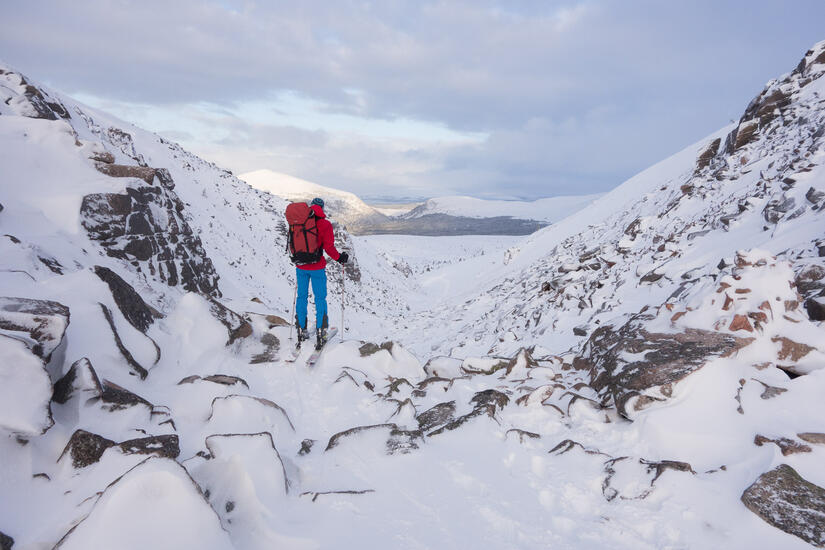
[(343, 287), (294, 300)]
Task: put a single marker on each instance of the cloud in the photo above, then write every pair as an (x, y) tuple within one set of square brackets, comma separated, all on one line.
[(557, 95)]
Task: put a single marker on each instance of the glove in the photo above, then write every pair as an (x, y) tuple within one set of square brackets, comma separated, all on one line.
[(343, 258)]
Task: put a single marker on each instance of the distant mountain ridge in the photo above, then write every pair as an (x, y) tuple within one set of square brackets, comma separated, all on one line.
[(442, 216)]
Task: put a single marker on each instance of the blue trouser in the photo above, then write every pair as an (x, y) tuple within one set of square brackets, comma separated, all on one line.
[(319, 290)]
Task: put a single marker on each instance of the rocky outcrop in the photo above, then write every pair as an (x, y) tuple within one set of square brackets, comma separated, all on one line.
[(85, 448), (785, 500), (634, 368), (131, 305), (40, 324), (145, 226)]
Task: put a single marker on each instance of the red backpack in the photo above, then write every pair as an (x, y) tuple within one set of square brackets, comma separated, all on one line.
[(303, 244)]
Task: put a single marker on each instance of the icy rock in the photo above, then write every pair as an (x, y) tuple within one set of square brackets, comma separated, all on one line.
[(154, 505), (785, 500), (44, 322), (131, 305), (25, 390), (396, 440), (636, 368), (6, 542), (160, 445), (436, 416), (236, 326), (85, 448), (814, 195)]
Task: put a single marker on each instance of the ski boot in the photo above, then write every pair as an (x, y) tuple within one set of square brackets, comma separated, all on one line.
[(320, 337)]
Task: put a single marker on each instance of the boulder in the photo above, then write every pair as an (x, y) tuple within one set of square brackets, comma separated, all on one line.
[(131, 305), (40, 324), (81, 378), (436, 416), (785, 500), (814, 195), (85, 448), (116, 398), (635, 368)]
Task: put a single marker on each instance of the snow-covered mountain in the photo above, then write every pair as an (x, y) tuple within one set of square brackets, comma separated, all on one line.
[(548, 210), (464, 218), (345, 207), (647, 375)]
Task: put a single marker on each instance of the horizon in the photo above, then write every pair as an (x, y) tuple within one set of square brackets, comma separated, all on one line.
[(512, 101)]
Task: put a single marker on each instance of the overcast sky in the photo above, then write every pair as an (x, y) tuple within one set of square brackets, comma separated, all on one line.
[(413, 98)]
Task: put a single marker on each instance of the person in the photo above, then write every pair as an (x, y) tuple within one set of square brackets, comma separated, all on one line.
[(316, 274)]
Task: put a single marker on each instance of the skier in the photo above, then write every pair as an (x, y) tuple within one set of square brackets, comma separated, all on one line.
[(316, 274)]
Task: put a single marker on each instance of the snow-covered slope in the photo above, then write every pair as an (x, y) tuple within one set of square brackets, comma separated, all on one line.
[(345, 207), (648, 375), (549, 210)]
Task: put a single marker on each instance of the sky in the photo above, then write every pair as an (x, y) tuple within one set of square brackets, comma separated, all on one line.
[(410, 99)]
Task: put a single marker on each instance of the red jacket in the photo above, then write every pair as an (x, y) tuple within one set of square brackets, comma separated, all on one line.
[(326, 239)]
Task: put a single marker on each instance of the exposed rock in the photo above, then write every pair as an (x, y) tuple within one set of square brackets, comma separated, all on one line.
[(306, 446), (636, 368), (785, 500), (80, 378), (115, 398), (275, 321), (371, 349), (787, 446), (398, 440), (145, 225), (225, 379), (770, 391), (707, 155), (777, 208), (815, 308), (270, 353), (126, 171), (580, 331), (810, 279), (103, 156), (814, 195), (568, 445), (159, 445), (490, 398), (236, 326), (748, 132), (740, 322), (436, 416), (651, 277), (522, 434), (131, 305), (6, 542), (791, 350), (812, 437), (136, 367), (44, 322), (86, 448)]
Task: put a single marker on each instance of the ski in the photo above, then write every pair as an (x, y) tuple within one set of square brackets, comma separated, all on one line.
[(317, 353)]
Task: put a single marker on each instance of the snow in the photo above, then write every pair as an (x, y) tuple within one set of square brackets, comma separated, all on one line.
[(25, 390), (549, 210), (468, 318)]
